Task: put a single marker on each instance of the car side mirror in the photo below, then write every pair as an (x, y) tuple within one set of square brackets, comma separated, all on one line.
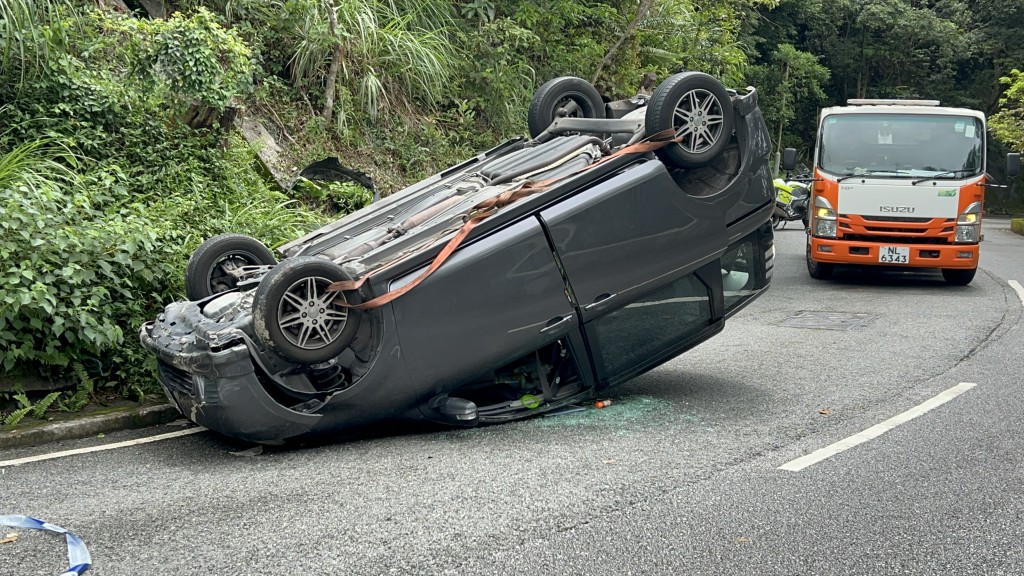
[(1012, 165), (789, 159)]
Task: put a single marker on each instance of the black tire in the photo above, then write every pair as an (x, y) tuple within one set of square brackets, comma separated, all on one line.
[(698, 108), (818, 270), (294, 315), (566, 96), (208, 268), (776, 221), (958, 276)]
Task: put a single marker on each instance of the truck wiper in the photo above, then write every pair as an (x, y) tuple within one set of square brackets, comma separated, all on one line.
[(946, 173), (869, 172)]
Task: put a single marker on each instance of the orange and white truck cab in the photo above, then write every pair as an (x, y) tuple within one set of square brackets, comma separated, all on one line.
[(898, 183)]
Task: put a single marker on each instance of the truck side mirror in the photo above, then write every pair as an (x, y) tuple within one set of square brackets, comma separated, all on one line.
[(789, 159), (1012, 165)]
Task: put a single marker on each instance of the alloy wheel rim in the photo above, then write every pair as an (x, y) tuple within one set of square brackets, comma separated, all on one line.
[(698, 120), (309, 316)]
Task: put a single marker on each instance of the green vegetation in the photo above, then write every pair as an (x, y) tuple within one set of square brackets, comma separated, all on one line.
[(25, 407), (1017, 225), (1008, 123), (954, 51), (118, 154)]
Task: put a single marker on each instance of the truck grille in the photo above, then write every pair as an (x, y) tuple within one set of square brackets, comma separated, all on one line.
[(886, 230), (896, 239), (900, 219)]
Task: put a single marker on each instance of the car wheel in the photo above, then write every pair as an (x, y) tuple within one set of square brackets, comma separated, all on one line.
[(818, 270), (957, 276), (209, 268), (566, 96), (295, 315), (698, 108)]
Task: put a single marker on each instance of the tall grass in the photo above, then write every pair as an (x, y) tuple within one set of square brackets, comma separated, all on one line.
[(24, 46), (36, 165), (393, 54)]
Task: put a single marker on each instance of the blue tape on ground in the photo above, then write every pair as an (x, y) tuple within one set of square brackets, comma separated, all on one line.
[(78, 554)]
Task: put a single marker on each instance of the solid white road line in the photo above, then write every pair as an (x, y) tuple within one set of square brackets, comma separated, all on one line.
[(146, 440), (876, 430), (1018, 289)]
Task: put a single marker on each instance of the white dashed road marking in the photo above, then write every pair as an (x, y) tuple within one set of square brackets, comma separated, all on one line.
[(1018, 289), (876, 430), (126, 443)]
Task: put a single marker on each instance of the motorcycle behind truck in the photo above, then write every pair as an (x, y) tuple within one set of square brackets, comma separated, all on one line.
[(791, 196)]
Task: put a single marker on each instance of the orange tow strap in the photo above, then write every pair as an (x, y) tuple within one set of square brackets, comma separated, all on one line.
[(383, 299), (486, 208)]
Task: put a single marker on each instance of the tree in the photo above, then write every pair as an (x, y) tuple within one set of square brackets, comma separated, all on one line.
[(641, 12), (791, 84), (1008, 123), (889, 48), (997, 27)]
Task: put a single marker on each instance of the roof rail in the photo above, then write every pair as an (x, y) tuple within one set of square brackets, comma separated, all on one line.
[(890, 102)]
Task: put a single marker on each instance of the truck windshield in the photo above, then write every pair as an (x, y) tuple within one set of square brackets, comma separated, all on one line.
[(902, 145)]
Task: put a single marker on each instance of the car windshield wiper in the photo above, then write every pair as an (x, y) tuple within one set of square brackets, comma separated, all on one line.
[(946, 173), (868, 172)]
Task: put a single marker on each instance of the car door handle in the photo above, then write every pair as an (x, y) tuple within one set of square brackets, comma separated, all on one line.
[(555, 323), (601, 299)]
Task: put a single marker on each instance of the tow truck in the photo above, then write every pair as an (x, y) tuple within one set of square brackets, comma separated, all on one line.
[(898, 183)]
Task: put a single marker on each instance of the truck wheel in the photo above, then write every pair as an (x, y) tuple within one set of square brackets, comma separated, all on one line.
[(565, 96), (698, 108), (295, 315), (818, 270), (209, 268), (958, 276)]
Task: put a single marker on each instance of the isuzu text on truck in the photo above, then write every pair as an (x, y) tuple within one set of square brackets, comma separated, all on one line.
[(898, 183)]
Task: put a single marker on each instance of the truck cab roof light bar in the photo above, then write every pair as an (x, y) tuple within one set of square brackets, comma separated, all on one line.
[(890, 102)]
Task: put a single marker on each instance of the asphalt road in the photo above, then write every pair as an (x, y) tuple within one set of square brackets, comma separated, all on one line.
[(679, 476)]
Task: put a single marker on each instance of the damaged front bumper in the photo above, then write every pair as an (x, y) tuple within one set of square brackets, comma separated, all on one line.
[(206, 369)]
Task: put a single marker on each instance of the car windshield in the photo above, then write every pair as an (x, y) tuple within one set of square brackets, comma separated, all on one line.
[(902, 145)]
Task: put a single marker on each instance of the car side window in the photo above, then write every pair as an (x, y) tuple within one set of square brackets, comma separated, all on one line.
[(657, 322), (738, 273)]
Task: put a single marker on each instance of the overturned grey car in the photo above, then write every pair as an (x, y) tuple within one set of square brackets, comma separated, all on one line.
[(528, 278)]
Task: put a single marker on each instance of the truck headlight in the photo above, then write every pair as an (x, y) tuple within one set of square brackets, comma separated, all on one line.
[(824, 218), (968, 225)]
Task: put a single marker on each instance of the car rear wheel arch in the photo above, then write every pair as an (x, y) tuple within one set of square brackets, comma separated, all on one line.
[(296, 316), (698, 108)]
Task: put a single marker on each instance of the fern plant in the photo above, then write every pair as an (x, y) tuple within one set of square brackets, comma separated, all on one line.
[(26, 406), (83, 393), (16, 416), (40, 408)]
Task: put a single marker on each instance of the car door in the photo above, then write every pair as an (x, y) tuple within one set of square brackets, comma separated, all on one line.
[(641, 260), (494, 300)]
